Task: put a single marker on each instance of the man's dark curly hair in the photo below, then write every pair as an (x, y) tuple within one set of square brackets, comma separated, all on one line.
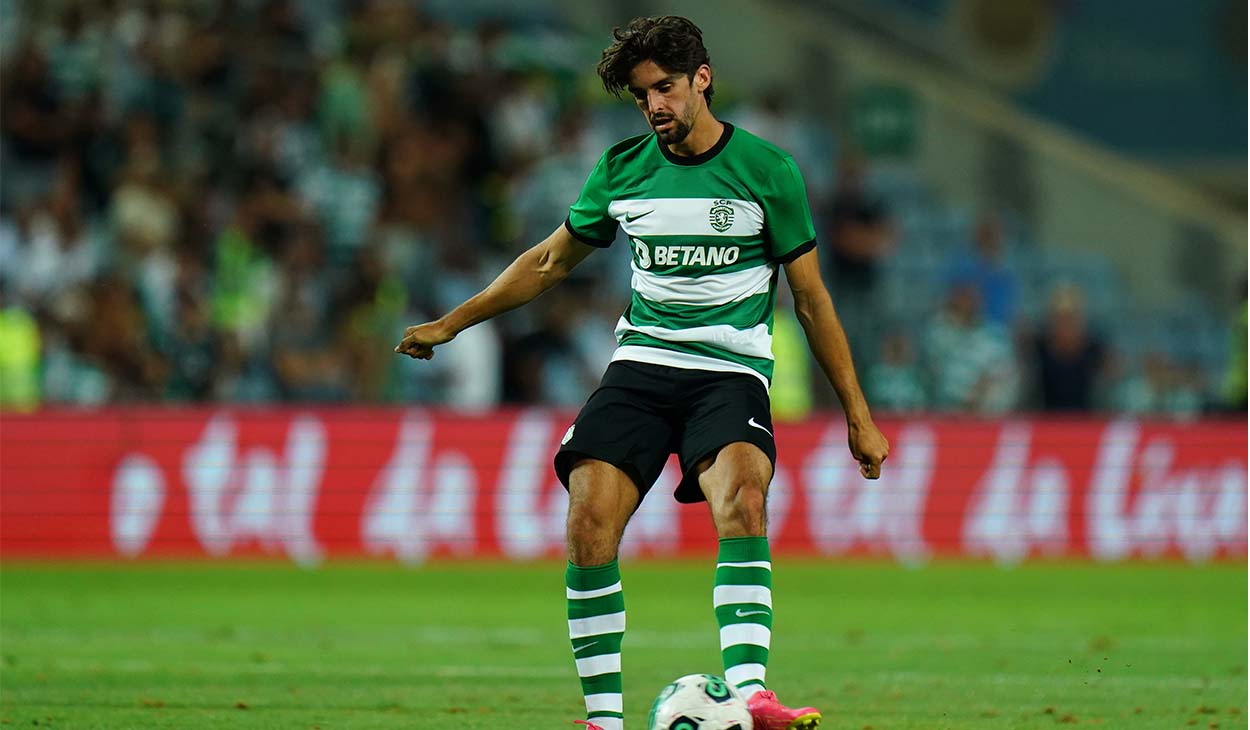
[(674, 43)]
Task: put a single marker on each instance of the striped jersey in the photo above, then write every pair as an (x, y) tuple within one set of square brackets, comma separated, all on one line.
[(706, 234)]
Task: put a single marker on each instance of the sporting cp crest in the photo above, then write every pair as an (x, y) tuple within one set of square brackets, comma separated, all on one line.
[(721, 215)]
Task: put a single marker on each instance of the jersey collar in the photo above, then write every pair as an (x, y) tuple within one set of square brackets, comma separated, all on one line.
[(702, 157)]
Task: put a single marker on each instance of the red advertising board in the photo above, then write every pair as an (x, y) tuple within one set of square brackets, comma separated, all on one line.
[(310, 484)]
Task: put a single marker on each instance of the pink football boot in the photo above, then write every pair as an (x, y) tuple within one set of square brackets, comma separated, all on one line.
[(769, 714)]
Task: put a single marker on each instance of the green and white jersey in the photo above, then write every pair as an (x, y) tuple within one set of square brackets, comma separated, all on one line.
[(707, 234)]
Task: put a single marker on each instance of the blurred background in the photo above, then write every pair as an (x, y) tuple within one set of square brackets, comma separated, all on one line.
[(1021, 207)]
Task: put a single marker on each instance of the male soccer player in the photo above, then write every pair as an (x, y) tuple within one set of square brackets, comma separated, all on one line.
[(710, 212)]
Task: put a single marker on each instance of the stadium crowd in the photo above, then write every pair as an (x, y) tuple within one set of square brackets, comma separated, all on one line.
[(247, 202)]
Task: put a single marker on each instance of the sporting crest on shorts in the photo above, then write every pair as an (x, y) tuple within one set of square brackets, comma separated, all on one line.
[(721, 215)]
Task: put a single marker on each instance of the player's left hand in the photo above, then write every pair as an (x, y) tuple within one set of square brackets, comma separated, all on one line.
[(869, 448)]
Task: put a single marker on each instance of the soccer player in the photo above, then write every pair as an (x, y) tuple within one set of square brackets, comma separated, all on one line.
[(711, 213)]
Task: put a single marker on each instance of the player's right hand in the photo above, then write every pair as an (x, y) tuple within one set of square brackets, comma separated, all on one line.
[(419, 340)]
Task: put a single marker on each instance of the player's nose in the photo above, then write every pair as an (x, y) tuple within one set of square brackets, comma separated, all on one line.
[(655, 103)]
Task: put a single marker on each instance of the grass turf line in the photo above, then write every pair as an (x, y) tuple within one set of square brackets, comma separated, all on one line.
[(484, 645)]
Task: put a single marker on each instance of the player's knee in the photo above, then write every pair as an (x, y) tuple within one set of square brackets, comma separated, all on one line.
[(587, 522), (592, 534), (742, 511)]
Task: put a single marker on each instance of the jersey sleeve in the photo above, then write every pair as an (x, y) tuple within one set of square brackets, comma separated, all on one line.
[(787, 217), (588, 219)]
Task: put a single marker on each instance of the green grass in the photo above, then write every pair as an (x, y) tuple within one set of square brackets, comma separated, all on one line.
[(953, 645)]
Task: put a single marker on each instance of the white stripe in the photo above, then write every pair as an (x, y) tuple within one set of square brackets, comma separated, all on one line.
[(606, 702), (708, 290), (735, 634), (766, 564), (685, 360), (595, 593), (595, 665), (609, 623), (745, 673), (685, 216), (726, 595), (754, 342), (747, 691)]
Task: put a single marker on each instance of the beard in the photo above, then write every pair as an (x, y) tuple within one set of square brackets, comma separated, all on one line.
[(676, 133)]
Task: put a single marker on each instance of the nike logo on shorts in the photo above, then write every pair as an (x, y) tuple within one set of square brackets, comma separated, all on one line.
[(751, 422)]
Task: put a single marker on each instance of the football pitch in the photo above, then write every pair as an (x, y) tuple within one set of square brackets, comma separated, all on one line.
[(484, 645)]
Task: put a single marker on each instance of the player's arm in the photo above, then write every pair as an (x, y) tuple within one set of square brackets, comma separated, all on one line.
[(531, 274), (827, 340)]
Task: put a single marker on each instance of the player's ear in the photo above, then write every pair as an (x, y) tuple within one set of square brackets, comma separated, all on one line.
[(702, 78)]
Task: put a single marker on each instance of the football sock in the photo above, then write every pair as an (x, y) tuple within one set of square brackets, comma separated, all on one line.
[(743, 600), (596, 625)]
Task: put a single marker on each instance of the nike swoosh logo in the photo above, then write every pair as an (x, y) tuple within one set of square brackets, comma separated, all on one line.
[(584, 646), (631, 218), (743, 614), (751, 422)]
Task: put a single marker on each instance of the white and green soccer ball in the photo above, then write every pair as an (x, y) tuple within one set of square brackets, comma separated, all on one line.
[(699, 702)]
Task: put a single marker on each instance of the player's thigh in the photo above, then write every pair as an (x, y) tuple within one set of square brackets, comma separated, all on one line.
[(726, 410), (735, 467), (602, 497)]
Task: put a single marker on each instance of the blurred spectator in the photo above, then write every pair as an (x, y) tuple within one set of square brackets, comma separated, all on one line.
[(344, 195), (35, 128), (775, 119), (76, 56), (70, 374), (860, 237), (983, 266), (1160, 387), (1234, 386), (895, 382), (372, 308), (523, 118), (970, 361), (192, 348), (544, 365), (471, 369), (1069, 360), (19, 356), (54, 251), (117, 339)]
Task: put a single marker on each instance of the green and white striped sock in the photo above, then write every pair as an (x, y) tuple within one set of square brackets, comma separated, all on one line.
[(743, 599), (596, 626)]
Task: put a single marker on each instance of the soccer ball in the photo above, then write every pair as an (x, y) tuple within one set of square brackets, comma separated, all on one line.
[(699, 702)]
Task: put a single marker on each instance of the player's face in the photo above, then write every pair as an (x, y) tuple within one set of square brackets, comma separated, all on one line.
[(670, 101)]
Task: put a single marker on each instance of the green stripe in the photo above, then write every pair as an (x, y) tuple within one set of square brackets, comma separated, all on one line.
[(728, 614), (730, 576), (605, 713), (592, 578), (737, 654), (742, 315), (601, 606), (602, 683), (597, 645), (742, 550), (758, 364)]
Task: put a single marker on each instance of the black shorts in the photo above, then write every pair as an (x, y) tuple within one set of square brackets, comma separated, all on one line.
[(641, 413)]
